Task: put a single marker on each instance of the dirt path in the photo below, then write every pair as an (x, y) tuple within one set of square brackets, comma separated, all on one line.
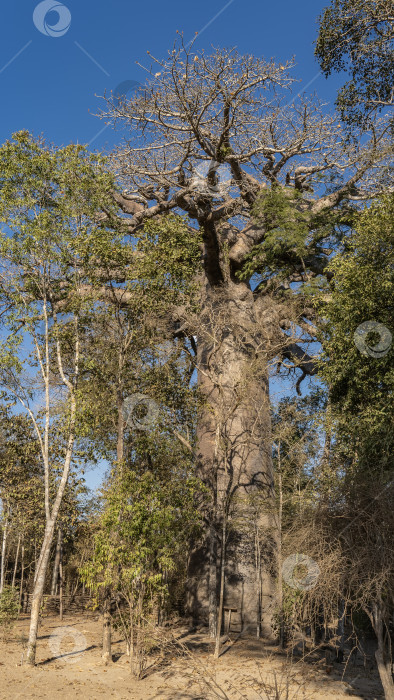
[(69, 666)]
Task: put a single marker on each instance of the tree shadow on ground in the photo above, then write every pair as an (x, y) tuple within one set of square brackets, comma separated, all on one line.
[(66, 655)]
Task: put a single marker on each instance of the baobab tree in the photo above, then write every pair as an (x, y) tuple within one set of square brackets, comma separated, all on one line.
[(271, 185)]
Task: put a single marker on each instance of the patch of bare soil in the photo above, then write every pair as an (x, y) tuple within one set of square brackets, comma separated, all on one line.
[(69, 666)]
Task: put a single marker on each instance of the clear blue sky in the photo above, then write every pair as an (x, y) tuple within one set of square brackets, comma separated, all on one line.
[(50, 86), (49, 83)]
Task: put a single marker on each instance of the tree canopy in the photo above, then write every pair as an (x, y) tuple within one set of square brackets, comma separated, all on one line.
[(358, 37)]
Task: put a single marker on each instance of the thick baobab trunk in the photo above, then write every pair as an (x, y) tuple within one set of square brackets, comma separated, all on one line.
[(234, 458)]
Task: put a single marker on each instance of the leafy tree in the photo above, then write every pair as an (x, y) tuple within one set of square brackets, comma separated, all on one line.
[(358, 369), (360, 379), (48, 207), (147, 518), (21, 487), (8, 607), (357, 37)]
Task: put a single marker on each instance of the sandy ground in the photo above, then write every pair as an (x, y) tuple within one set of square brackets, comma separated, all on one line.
[(70, 667)]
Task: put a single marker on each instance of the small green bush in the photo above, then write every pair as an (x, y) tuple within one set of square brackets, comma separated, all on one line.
[(9, 607)]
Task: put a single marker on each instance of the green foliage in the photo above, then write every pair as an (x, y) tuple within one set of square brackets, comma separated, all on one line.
[(294, 239), (50, 198), (170, 256), (357, 36), (51, 241), (142, 528), (362, 386), (21, 485), (149, 513), (147, 519), (9, 607), (286, 227), (51, 238)]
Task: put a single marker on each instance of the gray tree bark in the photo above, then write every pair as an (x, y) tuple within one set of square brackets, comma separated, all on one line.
[(39, 591), (233, 380), (56, 563), (61, 580), (22, 577), (16, 561), (382, 655), (212, 582), (107, 629), (3, 551), (42, 566)]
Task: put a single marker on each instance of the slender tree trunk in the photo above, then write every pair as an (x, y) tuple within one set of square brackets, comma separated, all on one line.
[(132, 644), (16, 561), (22, 576), (221, 593), (341, 631), (259, 580), (280, 575), (107, 632), (3, 551), (38, 593), (233, 380), (120, 436), (61, 581), (383, 658), (107, 622), (137, 658), (56, 562), (212, 585), (42, 567)]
